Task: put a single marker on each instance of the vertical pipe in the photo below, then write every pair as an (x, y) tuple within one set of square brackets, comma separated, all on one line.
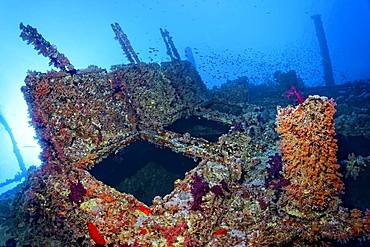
[(16, 150), (326, 62)]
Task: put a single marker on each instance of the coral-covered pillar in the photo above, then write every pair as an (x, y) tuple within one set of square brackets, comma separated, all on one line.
[(170, 46), (57, 59), (326, 62), (309, 148)]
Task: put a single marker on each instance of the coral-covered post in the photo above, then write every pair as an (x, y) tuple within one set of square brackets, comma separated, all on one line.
[(170, 46), (57, 59), (309, 148), (125, 44)]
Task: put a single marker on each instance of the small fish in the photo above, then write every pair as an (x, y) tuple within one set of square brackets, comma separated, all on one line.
[(219, 232), (95, 234), (29, 146), (144, 209)]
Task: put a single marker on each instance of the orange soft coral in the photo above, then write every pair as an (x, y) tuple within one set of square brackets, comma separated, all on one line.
[(309, 148)]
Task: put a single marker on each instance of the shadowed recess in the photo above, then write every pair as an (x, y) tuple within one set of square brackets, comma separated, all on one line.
[(358, 145), (200, 127), (143, 170), (357, 193)]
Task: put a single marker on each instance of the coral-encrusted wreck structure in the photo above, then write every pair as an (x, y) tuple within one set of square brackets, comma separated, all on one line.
[(247, 189)]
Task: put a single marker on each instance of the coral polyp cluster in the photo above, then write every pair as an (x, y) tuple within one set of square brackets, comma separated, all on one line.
[(309, 150)]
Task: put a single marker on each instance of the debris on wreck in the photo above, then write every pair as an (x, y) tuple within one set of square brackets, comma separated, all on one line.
[(231, 94)]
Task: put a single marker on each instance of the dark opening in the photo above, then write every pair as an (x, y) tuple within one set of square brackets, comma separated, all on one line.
[(359, 145), (143, 170), (200, 127), (356, 192)]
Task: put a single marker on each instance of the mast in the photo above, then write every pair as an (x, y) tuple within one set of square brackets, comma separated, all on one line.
[(325, 56)]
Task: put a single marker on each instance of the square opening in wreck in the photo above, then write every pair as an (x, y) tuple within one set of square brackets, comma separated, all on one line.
[(200, 128), (143, 170)]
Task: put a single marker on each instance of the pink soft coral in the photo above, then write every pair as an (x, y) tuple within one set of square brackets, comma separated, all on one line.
[(295, 94)]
